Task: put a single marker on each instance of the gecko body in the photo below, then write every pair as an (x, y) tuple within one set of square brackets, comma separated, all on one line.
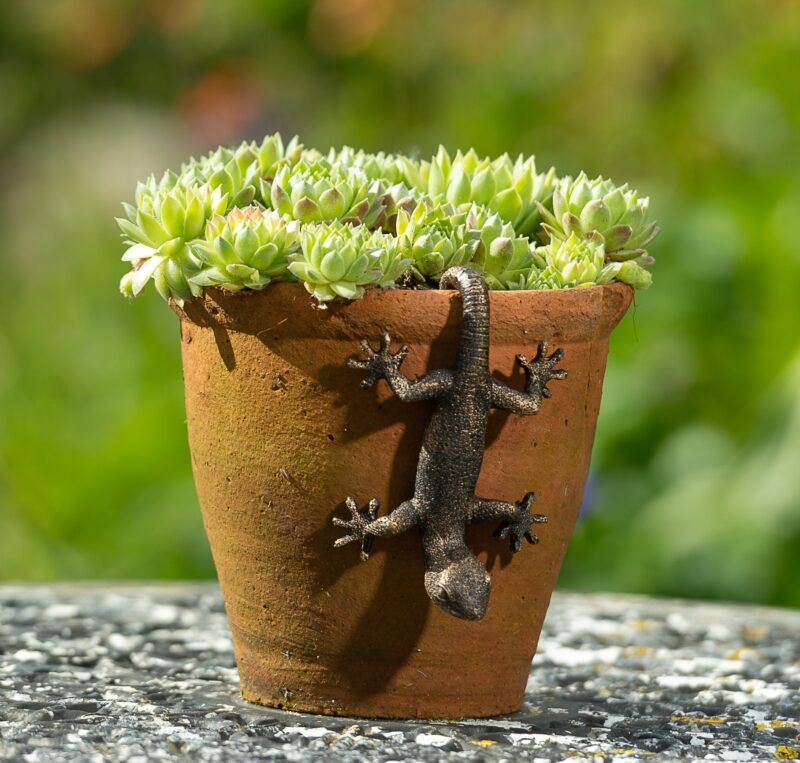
[(444, 501)]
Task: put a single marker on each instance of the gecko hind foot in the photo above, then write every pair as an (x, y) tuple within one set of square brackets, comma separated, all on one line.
[(521, 526), (357, 525)]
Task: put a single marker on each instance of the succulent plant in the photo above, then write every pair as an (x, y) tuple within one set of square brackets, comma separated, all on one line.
[(344, 220), (630, 272), (246, 249), (321, 192), (337, 260), (158, 233), (578, 262), (239, 171), (599, 210), (392, 199), (380, 166), (513, 189), (434, 239), (502, 255), (236, 172), (570, 263)]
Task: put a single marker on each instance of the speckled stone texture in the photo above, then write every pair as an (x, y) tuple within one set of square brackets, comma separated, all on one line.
[(96, 672)]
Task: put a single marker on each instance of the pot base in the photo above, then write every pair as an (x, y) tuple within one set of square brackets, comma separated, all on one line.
[(431, 709), (405, 681)]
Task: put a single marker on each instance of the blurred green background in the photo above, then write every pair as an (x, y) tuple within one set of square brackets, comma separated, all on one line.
[(695, 485)]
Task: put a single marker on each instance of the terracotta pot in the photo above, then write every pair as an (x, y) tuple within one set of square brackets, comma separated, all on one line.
[(281, 432)]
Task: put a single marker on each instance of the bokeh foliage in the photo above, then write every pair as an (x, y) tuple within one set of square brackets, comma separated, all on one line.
[(695, 486)]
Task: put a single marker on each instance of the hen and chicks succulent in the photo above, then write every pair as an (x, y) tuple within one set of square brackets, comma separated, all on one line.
[(348, 220)]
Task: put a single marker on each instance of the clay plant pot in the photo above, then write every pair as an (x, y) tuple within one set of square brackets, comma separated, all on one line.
[(281, 432)]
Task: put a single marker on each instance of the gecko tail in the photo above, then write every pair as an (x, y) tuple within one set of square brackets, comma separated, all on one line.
[(470, 284)]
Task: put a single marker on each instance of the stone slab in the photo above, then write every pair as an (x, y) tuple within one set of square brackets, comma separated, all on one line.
[(146, 672)]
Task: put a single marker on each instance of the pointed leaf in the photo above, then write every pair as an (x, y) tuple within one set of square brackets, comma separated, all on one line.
[(144, 273)]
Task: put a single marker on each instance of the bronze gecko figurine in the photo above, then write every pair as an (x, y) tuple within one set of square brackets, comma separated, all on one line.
[(450, 460)]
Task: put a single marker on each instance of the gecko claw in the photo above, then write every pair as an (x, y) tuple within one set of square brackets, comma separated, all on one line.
[(358, 525)]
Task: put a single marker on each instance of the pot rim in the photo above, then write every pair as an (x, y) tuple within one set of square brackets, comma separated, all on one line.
[(413, 315), (379, 291)]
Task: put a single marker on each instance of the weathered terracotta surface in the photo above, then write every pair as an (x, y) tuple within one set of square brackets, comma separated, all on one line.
[(281, 432)]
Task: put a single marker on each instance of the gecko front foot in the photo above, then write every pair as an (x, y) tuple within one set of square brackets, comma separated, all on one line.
[(521, 526), (357, 525), (381, 363), (542, 369)]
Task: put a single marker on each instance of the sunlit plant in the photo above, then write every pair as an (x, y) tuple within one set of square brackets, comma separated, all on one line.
[(342, 222)]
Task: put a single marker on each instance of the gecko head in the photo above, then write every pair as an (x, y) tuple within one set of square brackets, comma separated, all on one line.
[(461, 589)]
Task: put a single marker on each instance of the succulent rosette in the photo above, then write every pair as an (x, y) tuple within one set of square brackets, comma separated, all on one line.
[(597, 209), (337, 260), (321, 192), (571, 263), (158, 234), (434, 239), (239, 171), (513, 189), (236, 172), (346, 220), (578, 262), (502, 255), (246, 249), (630, 272), (379, 166)]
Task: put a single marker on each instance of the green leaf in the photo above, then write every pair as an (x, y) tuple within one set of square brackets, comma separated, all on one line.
[(483, 186), (244, 197), (560, 208), (133, 232), (172, 216), (156, 235), (507, 204), (357, 269), (347, 290), (179, 287), (240, 271), (144, 273), (195, 219), (160, 282), (265, 256), (208, 277), (299, 270), (246, 243), (617, 237), (332, 266), (437, 182), (225, 252), (138, 252), (595, 216), (458, 190), (331, 204), (307, 211), (615, 201), (221, 179)]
